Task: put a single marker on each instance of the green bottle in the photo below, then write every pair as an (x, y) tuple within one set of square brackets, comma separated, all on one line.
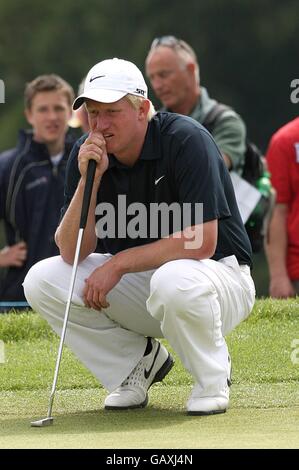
[(263, 184)]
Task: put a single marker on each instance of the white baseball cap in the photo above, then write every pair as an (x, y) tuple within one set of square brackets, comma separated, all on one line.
[(110, 80)]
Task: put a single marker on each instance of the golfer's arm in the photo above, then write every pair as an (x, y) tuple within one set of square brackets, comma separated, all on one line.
[(276, 247), (153, 255), (67, 233)]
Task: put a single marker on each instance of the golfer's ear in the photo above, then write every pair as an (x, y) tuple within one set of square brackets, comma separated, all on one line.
[(144, 108)]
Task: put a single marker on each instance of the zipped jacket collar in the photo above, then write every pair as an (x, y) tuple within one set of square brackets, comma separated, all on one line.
[(39, 151)]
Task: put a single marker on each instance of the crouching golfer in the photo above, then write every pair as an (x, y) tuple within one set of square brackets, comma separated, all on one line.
[(175, 259)]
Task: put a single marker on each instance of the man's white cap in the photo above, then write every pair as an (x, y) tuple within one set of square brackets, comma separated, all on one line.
[(110, 80)]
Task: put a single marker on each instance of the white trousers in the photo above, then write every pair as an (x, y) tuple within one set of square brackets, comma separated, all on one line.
[(193, 304)]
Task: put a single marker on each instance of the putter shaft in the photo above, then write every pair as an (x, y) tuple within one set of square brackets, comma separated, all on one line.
[(49, 420), (84, 213)]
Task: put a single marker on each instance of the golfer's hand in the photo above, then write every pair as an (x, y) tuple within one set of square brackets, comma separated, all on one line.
[(93, 148), (14, 255), (99, 284)]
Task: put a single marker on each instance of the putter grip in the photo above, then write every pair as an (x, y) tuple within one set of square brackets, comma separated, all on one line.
[(87, 192)]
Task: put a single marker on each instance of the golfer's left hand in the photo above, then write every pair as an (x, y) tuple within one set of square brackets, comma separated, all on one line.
[(99, 284)]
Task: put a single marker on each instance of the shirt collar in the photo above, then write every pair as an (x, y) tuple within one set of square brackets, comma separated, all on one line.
[(203, 106), (151, 149)]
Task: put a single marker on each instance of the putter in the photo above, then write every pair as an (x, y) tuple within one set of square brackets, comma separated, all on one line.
[(84, 213)]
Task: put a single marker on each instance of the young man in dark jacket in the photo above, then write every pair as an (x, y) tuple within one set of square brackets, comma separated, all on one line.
[(31, 182)]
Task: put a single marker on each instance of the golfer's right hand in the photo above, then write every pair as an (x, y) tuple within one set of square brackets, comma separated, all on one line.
[(93, 148)]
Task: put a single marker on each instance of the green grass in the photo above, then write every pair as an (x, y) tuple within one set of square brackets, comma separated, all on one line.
[(264, 407)]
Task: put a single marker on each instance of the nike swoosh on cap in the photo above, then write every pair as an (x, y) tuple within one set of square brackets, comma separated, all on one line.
[(94, 78), (147, 373), (157, 180)]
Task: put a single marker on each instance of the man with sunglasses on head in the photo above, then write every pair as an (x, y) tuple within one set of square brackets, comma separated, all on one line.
[(173, 70)]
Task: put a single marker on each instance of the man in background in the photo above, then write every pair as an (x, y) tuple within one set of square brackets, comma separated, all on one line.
[(173, 70), (282, 247), (32, 181), (174, 74)]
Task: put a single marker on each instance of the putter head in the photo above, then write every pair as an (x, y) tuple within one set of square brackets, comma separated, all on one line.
[(42, 422)]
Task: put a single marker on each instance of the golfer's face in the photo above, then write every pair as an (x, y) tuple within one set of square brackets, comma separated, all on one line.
[(49, 115), (118, 122)]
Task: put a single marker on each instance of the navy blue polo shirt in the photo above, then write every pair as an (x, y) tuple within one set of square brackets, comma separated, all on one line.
[(179, 163)]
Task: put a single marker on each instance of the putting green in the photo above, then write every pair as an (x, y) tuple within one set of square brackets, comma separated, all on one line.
[(259, 417), (264, 406)]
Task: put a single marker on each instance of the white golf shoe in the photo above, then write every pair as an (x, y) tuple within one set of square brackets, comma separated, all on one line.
[(151, 368), (199, 405)]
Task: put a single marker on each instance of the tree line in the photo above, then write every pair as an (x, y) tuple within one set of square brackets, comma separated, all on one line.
[(247, 50)]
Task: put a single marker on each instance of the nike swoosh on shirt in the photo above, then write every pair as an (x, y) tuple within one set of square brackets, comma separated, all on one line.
[(94, 78), (157, 180), (147, 373)]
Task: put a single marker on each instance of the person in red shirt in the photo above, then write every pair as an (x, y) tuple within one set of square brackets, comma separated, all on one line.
[(282, 247)]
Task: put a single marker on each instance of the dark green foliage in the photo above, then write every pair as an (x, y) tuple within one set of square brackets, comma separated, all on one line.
[(248, 50)]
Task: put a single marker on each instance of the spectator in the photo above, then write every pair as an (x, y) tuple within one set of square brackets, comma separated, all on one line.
[(174, 73), (282, 247), (173, 70), (32, 181), (192, 287)]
